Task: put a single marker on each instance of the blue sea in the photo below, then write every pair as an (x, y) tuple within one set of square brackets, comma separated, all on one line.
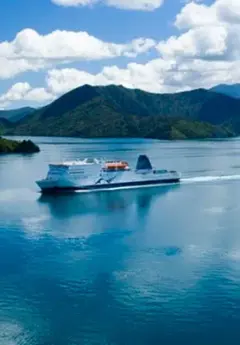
[(144, 266)]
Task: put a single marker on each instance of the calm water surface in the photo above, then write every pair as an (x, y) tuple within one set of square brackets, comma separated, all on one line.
[(145, 266)]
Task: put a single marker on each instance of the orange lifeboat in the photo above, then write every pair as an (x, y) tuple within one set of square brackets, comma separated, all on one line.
[(120, 165)]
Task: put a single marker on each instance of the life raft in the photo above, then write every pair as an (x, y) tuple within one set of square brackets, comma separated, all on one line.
[(119, 165)]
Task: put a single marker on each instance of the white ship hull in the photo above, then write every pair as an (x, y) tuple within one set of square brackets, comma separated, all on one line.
[(84, 177)]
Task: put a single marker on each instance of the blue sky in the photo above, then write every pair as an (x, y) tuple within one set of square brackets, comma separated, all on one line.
[(48, 47), (105, 22)]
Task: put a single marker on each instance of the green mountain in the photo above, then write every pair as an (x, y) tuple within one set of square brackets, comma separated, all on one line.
[(16, 114), (5, 125), (114, 111), (229, 90)]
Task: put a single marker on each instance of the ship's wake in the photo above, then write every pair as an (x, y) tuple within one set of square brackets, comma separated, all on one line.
[(202, 179)]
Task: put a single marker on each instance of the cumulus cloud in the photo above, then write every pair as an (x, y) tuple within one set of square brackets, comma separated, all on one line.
[(74, 3), (24, 92), (194, 15), (197, 43), (158, 76), (206, 52), (32, 51), (68, 46), (149, 77), (221, 11), (11, 67), (212, 32), (228, 10), (141, 5)]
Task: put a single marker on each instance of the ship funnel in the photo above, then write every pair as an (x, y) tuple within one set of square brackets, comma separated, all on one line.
[(143, 163)]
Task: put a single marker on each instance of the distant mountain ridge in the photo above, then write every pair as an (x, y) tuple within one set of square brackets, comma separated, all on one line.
[(16, 114), (115, 111), (228, 90)]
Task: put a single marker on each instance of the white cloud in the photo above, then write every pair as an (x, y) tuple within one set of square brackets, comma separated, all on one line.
[(205, 53), (149, 77), (68, 46), (213, 32), (200, 42), (24, 92), (228, 10), (38, 95), (74, 3), (61, 81), (194, 15), (32, 51), (144, 5), (11, 67), (208, 52), (159, 76), (221, 11), (141, 5), (16, 92)]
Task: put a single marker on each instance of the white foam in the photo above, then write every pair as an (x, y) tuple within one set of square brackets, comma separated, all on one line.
[(200, 179), (215, 210)]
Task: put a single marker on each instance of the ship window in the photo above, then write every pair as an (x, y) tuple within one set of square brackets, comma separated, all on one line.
[(160, 171), (57, 170), (77, 172)]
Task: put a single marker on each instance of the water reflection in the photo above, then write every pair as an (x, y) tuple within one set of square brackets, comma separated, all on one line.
[(88, 286), (140, 266), (64, 205)]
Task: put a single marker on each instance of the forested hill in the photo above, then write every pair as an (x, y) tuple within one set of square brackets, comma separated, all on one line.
[(16, 114), (13, 146), (115, 111)]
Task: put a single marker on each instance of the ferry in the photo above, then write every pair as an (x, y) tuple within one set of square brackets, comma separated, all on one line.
[(96, 174)]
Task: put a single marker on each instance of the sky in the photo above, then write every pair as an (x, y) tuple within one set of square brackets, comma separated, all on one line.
[(48, 47)]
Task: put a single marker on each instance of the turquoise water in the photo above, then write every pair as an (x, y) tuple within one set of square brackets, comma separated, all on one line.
[(144, 266)]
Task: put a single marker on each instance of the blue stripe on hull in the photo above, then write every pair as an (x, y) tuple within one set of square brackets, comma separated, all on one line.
[(111, 185)]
